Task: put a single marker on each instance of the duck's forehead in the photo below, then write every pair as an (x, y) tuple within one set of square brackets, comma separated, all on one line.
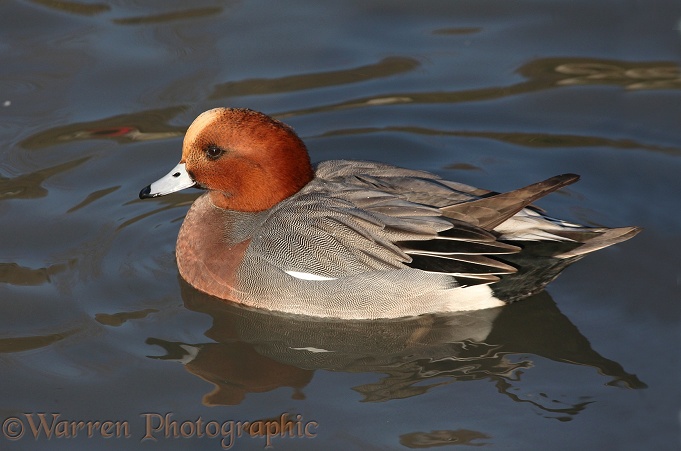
[(204, 130), (204, 123)]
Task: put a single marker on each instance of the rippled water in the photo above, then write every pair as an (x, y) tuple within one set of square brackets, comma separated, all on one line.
[(96, 326)]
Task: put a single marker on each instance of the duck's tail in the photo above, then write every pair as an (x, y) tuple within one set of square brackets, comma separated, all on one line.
[(511, 216), (595, 239)]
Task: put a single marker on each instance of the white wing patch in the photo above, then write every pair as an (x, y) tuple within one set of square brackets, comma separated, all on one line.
[(307, 276), (311, 349)]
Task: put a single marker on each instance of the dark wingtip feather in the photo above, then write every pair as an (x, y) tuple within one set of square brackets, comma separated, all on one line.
[(491, 211)]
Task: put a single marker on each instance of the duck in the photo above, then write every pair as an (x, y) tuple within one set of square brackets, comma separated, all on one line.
[(356, 240)]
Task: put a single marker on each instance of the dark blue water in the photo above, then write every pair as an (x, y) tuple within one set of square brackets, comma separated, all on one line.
[(95, 325)]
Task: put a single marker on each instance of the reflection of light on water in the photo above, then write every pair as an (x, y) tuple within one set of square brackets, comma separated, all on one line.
[(658, 77), (432, 439), (122, 132), (388, 100)]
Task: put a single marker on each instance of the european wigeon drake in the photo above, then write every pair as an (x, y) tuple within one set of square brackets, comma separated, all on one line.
[(356, 239)]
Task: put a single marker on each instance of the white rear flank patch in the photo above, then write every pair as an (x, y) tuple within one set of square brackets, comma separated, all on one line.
[(477, 297), (307, 276)]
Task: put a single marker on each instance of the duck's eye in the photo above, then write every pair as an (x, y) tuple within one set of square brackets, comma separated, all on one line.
[(214, 152)]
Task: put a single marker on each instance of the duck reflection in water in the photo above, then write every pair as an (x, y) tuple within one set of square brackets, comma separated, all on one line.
[(253, 351)]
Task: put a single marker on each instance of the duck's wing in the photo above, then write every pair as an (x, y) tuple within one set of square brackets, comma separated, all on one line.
[(433, 242), (509, 215), (357, 219), (318, 235), (468, 247), (414, 186)]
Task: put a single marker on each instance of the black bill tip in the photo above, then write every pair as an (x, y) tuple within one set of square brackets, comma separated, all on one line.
[(146, 192)]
